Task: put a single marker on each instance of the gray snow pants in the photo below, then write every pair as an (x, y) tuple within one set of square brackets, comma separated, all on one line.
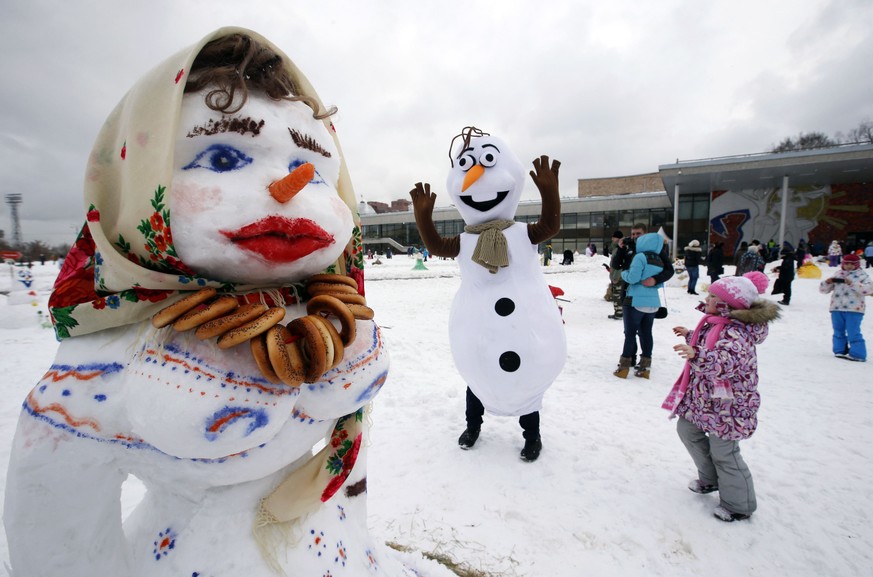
[(719, 463)]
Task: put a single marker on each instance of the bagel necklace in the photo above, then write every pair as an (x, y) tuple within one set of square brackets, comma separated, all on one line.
[(301, 351)]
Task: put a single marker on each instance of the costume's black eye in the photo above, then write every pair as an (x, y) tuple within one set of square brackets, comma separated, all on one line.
[(466, 162), (219, 158), (488, 158)]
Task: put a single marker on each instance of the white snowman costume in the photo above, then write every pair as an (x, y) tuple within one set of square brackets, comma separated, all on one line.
[(506, 334), (236, 483)]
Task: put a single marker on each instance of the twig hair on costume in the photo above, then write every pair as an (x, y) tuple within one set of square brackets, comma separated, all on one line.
[(467, 133)]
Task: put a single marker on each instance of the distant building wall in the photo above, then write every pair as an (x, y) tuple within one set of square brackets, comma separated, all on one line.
[(620, 185)]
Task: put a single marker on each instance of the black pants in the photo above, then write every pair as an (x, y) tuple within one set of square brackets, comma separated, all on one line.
[(530, 423), (786, 291)]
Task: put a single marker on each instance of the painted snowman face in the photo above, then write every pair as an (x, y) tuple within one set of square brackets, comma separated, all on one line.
[(486, 181), (228, 222)]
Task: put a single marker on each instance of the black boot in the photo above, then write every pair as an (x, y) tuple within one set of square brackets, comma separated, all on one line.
[(531, 450), (468, 438)]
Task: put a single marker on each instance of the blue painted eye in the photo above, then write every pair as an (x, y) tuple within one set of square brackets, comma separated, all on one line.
[(219, 158), (315, 179)]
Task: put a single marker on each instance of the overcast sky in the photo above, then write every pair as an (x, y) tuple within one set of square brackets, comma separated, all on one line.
[(609, 87)]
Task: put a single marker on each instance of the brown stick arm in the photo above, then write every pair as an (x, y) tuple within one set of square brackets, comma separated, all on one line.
[(422, 203), (546, 179)]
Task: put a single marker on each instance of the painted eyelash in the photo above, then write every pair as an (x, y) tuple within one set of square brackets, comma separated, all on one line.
[(308, 143)]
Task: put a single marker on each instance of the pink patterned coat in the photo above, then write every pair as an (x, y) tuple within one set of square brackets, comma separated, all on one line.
[(722, 395)]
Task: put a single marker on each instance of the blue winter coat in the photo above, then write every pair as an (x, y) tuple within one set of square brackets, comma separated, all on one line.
[(640, 269)]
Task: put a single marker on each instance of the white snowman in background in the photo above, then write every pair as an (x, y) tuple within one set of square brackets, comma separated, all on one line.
[(506, 334), (237, 480)]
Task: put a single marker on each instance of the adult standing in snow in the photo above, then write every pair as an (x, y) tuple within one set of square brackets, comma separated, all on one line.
[(716, 396), (547, 255), (506, 334), (751, 261), (848, 288), (693, 254), (616, 261), (715, 262), (835, 253), (738, 256), (868, 254), (639, 315), (786, 276)]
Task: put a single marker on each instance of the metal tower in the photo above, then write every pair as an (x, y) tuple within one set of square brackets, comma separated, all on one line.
[(13, 200)]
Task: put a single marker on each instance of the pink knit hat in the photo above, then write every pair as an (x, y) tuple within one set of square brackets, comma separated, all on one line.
[(739, 292)]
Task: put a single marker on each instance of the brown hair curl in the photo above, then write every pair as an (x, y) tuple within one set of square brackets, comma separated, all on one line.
[(239, 63)]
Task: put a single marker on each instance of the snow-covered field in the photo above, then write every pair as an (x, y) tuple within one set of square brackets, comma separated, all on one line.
[(608, 495)]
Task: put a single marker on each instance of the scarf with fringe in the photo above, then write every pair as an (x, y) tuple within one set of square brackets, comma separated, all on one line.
[(491, 250)]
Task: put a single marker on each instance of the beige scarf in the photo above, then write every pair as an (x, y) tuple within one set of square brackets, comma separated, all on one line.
[(491, 251)]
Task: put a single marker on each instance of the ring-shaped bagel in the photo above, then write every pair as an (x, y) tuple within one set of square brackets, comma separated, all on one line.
[(332, 306), (252, 328), (262, 359), (361, 312), (314, 350), (285, 356), (338, 348), (320, 288), (340, 278), (240, 316), (205, 312), (327, 339), (169, 314), (348, 298)]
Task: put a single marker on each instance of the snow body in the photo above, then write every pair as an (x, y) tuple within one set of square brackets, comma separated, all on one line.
[(508, 315)]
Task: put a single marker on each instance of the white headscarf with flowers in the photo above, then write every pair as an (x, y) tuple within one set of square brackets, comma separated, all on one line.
[(123, 267)]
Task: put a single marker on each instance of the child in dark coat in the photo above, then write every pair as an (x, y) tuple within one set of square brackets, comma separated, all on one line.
[(786, 276)]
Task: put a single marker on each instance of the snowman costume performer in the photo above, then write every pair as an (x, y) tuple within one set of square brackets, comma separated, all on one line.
[(244, 473), (506, 334)]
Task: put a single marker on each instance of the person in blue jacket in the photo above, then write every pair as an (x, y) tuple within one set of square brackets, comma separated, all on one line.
[(639, 314)]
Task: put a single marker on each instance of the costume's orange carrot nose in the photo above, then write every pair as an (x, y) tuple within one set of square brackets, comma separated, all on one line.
[(284, 190), (472, 176)]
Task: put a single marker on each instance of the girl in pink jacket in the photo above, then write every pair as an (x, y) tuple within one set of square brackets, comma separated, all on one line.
[(716, 396)]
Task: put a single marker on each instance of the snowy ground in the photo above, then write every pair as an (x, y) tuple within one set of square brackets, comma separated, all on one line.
[(608, 495)]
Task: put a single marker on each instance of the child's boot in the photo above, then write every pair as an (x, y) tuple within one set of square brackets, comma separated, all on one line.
[(624, 365), (642, 369)]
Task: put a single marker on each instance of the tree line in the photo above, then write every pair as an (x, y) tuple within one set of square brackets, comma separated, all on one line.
[(861, 134)]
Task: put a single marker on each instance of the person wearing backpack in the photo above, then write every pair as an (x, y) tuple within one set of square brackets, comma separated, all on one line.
[(649, 268)]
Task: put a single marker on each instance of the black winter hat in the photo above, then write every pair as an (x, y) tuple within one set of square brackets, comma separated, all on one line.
[(617, 234)]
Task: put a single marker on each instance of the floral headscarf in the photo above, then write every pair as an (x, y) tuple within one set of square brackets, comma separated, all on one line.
[(123, 267)]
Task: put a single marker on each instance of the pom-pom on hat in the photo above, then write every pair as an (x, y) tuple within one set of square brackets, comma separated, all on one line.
[(739, 292), (617, 234), (694, 243), (851, 258)]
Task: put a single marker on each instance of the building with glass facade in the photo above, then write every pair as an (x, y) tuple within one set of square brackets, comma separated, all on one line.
[(815, 195)]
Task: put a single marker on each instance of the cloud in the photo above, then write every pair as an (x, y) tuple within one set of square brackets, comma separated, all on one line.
[(609, 88)]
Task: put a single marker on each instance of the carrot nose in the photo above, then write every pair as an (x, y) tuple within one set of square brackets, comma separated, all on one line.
[(284, 190), (472, 176)]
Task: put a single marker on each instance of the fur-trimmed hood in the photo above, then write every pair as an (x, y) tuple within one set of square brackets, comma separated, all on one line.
[(762, 311)]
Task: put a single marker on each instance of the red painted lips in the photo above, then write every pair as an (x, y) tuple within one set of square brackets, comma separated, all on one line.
[(280, 239)]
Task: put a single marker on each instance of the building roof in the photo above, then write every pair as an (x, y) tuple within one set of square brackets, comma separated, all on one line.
[(837, 165)]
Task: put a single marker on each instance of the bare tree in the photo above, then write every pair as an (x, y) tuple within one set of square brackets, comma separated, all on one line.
[(805, 141), (862, 133)]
